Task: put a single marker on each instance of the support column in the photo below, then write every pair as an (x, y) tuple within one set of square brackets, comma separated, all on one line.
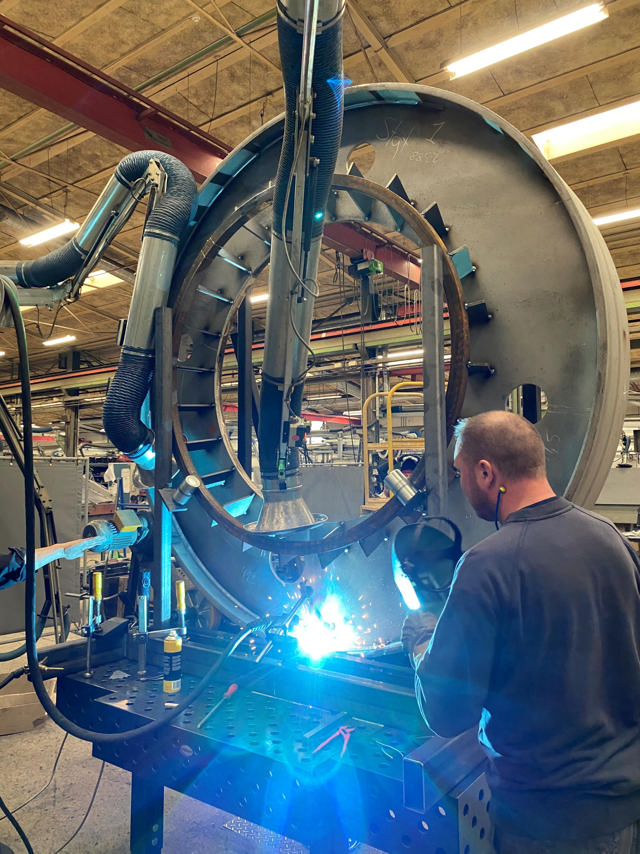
[(435, 436), (162, 428), (147, 815)]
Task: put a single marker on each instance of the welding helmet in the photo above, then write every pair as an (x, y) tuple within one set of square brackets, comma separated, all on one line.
[(424, 559)]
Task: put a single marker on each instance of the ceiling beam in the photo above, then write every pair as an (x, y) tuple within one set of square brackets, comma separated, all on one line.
[(368, 29), (48, 76), (398, 264)]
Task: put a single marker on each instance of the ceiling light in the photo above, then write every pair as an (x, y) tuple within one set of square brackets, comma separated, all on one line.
[(66, 227), (101, 279), (617, 217), (401, 354), (53, 341), (2, 353), (48, 403), (608, 126), (530, 39), (406, 357), (324, 396), (397, 362), (259, 298)]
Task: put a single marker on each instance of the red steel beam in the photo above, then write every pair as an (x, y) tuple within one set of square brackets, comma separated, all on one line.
[(401, 266), (46, 75)]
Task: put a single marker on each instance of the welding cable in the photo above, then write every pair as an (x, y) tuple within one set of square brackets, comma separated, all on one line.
[(86, 815), (16, 826), (47, 784), (40, 626)]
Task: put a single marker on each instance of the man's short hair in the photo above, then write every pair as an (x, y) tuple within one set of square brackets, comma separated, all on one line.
[(508, 440), (408, 463)]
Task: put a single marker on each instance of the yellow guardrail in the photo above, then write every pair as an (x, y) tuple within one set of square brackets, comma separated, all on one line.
[(391, 444)]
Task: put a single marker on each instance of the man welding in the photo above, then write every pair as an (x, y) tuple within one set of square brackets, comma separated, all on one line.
[(539, 644)]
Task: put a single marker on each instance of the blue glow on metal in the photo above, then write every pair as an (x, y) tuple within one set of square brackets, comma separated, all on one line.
[(144, 457), (318, 215), (222, 253), (324, 629), (339, 82), (240, 506)]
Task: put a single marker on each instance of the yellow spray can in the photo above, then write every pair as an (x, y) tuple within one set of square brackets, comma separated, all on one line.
[(172, 682)]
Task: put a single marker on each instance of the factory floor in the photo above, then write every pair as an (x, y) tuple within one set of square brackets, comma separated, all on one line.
[(77, 806), (50, 820)]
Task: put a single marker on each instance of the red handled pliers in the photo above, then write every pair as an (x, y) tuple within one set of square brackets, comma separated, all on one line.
[(345, 732)]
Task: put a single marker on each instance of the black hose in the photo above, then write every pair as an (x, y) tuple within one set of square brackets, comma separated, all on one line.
[(55, 267), (16, 826), (171, 215), (121, 412), (167, 221), (327, 84)]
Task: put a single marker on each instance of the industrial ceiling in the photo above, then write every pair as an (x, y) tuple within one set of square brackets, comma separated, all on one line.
[(205, 75)]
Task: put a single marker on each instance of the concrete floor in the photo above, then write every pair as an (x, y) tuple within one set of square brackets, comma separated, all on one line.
[(26, 762)]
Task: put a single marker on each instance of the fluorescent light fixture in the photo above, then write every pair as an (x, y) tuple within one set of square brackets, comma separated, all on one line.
[(52, 342), (101, 279), (530, 39), (66, 227), (395, 363), (401, 354), (617, 217), (325, 396), (48, 403), (599, 129), (259, 298)]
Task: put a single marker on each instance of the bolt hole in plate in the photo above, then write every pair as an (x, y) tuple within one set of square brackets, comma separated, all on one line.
[(557, 323)]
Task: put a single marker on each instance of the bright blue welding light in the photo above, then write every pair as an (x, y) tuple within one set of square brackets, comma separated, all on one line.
[(324, 630), (338, 84), (406, 589), (318, 215)]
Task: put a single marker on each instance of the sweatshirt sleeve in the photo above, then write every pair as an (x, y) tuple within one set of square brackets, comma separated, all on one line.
[(454, 673), (11, 568)]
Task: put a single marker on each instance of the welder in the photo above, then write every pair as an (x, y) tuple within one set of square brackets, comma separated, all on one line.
[(538, 645)]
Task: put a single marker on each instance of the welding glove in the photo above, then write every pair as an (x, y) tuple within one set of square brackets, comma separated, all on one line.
[(417, 629)]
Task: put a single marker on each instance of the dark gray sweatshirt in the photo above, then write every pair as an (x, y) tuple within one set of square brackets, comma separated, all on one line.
[(539, 643)]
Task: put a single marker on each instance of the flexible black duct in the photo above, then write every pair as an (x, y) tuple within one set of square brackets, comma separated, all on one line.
[(327, 86), (171, 215), (167, 221), (52, 268), (327, 83), (127, 391)]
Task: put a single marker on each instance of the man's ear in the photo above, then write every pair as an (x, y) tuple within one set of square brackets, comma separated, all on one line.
[(486, 474)]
